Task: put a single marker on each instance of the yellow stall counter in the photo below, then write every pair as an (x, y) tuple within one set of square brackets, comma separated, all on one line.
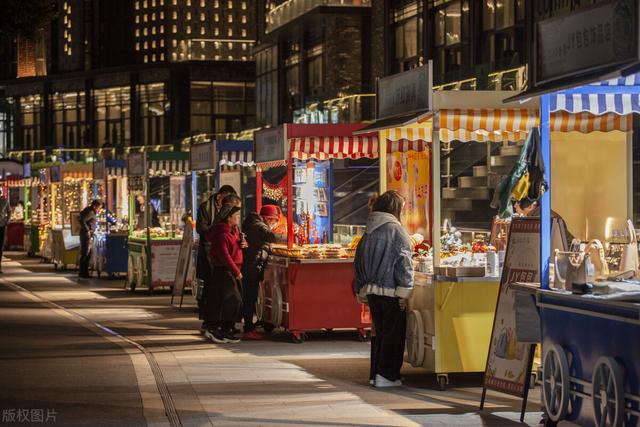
[(449, 323)]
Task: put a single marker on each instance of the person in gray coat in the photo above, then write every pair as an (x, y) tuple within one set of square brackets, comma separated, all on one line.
[(384, 276), (5, 214)]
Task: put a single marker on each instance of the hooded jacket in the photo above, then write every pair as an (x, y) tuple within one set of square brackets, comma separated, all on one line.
[(259, 239), (383, 259)]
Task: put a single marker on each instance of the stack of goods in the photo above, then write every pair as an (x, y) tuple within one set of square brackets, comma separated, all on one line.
[(156, 233)]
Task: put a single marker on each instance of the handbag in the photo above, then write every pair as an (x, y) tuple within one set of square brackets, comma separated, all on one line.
[(521, 189)]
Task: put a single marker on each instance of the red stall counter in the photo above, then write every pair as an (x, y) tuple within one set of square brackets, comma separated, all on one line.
[(14, 239), (311, 294)]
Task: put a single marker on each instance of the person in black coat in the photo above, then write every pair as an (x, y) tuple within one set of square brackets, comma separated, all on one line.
[(259, 234), (207, 212), (88, 218)]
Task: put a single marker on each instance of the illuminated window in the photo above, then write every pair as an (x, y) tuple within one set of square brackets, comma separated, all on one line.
[(244, 5), (137, 5), (188, 29), (201, 3), (161, 42), (202, 31), (244, 19), (153, 44), (216, 31), (137, 33), (137, 19), (188, 16), (229, 4), (146, 45), (216, 3), (174, 56), (189, 3), (202, 18), (145, 4), (146, 58), (174, 15), (175, 2), (153, 16), (161, 15), (244, 46), (161, 2), (174, 42), (161, 29), (145, 31), (244, 33), (153, 3), (174, 29), (162, 57), (137, 45), (153, 58), (230, 32), (153, 30), (230, 19), (145, 18), (216, 17)]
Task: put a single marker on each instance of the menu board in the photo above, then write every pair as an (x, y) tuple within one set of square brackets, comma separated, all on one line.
[(164, 260), (183, 260), (136, 164), (270, 145), (508, 363)]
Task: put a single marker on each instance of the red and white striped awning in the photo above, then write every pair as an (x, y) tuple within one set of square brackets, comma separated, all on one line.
[(334, 147), (404, 145), (269, 165)]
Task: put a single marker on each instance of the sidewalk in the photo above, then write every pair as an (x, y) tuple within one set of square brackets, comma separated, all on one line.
[(273, 382)]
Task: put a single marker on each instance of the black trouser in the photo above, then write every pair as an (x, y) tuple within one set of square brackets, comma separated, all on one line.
[(223, 304), (390, 323), (85, 254), (250, 287), (2, 232)]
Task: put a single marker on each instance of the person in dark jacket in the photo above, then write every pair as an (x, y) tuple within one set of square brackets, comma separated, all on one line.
[(87, 229), (207, 212), (223, 306), (384, 276), (260, 235)]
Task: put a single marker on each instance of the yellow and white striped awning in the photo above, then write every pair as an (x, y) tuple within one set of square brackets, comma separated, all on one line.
[(498, 125)]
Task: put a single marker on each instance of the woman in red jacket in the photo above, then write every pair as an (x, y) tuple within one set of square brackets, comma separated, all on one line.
[(224, 309)]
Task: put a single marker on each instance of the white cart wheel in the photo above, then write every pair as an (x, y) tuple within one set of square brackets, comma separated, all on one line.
[(140, 271), (260, 302), (131, 273), (415, 339), (608, 393), (555, 383), (276, 306)]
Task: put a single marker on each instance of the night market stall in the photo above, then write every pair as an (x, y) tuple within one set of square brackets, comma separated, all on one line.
[(110, 252), (38, 210), (308, 280), (589, 316), (159, 185), (14, 190)]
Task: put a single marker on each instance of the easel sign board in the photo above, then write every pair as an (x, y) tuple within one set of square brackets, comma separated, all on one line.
[(184, 257), (509, 362)]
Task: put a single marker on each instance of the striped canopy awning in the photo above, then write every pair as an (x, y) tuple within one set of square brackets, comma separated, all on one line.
[(116, 171), (13, 183), (270, 165), (236, 158), (168, 167), (404, 145), (617, 102), (334, 147)]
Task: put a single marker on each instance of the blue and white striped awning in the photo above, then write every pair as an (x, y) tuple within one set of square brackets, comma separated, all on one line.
[(618, 100), (236, 158), (116, 171), (168, 167)]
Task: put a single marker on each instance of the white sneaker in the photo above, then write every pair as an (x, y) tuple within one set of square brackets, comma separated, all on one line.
[(382, 382)]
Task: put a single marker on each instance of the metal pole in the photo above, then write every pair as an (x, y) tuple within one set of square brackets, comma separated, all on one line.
[(545, 200), (435, 177)]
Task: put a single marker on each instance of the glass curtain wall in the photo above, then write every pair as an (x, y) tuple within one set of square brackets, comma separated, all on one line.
[(112, 115)]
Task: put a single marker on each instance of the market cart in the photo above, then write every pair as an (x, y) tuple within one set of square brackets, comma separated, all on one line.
[(110, 252), (13, 186), (72, 190), (308, 282), (38, 211), (454, 299), (159, 196)]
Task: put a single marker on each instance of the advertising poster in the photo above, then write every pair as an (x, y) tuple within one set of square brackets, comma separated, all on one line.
[(509, 360), (410, 174), (164, 260)]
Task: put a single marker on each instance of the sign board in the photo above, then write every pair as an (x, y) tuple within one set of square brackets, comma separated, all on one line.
[(509, 362), (270, 145), (99, 170), (55, 174), (184, 258), (405, 93), (164, 257), (585, 41), (136, 164), (232, 178), (203, 157)]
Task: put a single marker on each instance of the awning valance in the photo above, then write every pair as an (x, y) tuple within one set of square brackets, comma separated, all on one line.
[(168, 167), (334, 147), (116, 171), (236, 158)]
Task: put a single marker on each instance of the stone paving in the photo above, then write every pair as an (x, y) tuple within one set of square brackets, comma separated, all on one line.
[(322, 382)]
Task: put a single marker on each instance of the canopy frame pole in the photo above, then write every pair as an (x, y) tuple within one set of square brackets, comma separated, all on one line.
[(545, 200), (436, 183), (382, 155)]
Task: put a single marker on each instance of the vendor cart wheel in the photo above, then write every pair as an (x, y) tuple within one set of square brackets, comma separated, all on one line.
[(260, 302), (131, 274), (140, 272), (415, 339), (276, 306), (608, 393), (443, 381), (555, 383)]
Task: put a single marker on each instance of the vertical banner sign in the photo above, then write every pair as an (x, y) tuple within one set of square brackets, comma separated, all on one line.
[(99, 169), (184, 258), (509, 362), (409, 174)]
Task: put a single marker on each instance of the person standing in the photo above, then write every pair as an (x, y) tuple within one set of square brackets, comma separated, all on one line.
[(384, 276), (87, 229), (5, 214), (207, 212), (223, 305), (260, 235)]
